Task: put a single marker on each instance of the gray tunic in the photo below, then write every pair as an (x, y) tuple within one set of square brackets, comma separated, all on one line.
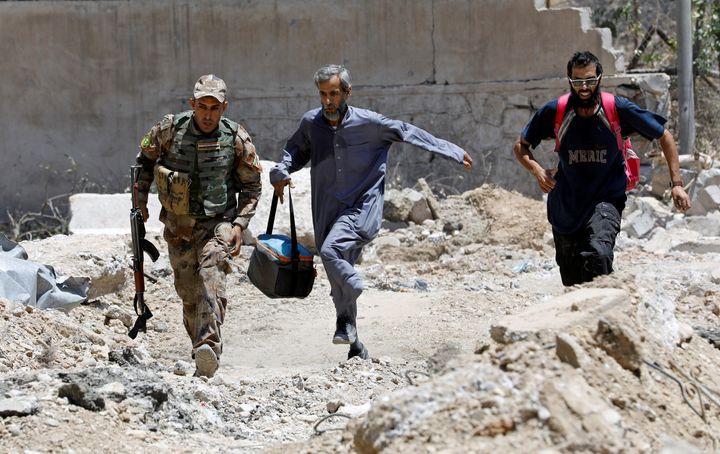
[(347, 172)]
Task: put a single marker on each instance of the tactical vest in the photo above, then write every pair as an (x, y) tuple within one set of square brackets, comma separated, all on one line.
[(208, 160)]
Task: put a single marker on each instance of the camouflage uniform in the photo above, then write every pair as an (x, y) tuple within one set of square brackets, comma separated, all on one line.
[(224, 175)]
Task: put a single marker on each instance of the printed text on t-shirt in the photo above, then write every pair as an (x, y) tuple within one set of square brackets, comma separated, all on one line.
[(578, 156)]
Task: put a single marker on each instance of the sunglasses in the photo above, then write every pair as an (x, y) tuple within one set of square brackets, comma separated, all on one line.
[(577, 83)]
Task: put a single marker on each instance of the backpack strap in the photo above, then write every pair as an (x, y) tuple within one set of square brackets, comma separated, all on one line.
[(608, 105), (559, 116)]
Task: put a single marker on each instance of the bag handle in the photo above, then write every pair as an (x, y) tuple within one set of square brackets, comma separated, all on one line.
[(294, 250)]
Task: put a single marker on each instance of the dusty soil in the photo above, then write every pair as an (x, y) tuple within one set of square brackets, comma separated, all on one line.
[(436, 380)]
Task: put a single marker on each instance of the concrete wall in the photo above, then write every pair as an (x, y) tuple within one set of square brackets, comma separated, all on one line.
[(82, 81)]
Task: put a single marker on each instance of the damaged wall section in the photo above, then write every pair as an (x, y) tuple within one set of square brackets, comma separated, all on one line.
[(87, 79)]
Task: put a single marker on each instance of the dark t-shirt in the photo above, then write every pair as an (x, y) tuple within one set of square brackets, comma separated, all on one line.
[(591, 168)]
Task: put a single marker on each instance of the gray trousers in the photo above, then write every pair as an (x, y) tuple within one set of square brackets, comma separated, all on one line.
[(346, 230)]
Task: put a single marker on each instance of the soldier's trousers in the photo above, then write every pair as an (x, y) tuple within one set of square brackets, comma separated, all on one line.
[(200, 267), (588, 252)]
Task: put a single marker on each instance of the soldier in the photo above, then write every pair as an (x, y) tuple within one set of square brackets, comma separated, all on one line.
[(207, 175)]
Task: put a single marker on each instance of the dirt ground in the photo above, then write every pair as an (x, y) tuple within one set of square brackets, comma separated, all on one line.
[(437, 381)]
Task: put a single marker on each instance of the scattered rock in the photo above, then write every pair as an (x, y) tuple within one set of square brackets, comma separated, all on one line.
[(576, 408), (18, 406), (620, 342), (82, 396), (569, 351)]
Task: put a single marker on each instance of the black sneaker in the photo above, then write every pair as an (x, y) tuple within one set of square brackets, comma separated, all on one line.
[(358, 349), (345, 333)]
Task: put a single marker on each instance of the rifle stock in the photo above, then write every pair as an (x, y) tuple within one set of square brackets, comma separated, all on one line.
[(140, 245)]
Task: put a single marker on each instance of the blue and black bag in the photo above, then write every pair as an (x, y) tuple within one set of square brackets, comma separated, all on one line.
[(280, 267)]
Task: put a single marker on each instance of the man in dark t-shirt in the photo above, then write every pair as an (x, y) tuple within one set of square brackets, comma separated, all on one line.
[(586, 192)]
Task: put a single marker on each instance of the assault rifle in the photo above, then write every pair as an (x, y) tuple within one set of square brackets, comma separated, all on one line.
[(139, 245)]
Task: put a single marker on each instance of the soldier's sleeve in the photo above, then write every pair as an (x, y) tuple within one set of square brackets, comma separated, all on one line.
[(247, 172), (152, 146)]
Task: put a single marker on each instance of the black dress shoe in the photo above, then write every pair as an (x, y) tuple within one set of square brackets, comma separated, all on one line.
[(358, 349), (345, 333)]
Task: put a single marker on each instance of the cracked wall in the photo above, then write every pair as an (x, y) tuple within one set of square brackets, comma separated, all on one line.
[(84, 80)]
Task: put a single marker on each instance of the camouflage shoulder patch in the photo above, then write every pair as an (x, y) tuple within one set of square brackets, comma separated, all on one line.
[(243, 135), (250, 158), (164, 129), (146, 142)]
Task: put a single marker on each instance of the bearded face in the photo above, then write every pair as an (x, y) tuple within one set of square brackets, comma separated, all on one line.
[(585, 86)]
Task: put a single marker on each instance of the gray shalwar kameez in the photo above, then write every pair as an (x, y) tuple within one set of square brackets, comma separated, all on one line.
[(347, 172)]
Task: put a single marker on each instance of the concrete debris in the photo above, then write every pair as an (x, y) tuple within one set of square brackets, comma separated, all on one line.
[(82, 396), (108, 214), (113, 312), (621, 343), (430, 198), (573, 308), (643, 215), (569, 351), (18, 406), (407, 205), (550, 373), (576, 408)]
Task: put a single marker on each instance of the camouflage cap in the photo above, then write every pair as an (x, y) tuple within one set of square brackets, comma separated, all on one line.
[(210, 85)]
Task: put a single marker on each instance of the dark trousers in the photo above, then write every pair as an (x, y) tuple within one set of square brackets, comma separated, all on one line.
[(589, 251)]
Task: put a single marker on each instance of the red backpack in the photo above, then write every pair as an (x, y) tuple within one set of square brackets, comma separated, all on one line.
[(632, 162)]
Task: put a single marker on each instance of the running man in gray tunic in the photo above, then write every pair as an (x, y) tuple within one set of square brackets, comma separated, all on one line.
[(347, 148)]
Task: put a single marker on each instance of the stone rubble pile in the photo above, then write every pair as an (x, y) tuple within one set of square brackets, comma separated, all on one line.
[(581, 370)]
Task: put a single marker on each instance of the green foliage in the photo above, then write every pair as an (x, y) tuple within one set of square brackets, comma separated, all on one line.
[(706, 17)]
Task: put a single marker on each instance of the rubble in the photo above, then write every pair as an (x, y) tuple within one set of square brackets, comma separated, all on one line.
[(475, 347)]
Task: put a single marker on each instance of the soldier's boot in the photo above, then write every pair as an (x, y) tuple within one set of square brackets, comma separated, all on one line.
[(206, 361)]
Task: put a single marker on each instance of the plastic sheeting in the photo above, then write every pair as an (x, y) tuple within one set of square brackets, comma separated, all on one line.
[(26, 282)]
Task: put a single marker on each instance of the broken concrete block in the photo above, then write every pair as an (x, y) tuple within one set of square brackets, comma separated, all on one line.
[(700, 245), (646, 214), (396, 208), (571, 309), (406, 205), (709, 197), (709, 177), (420, 211), (430, 197), (639, 223), (621, 343), (504, 335), (97, 214), (569, 351), (662, 241), (708, 225), (18, 406), (575, 407)]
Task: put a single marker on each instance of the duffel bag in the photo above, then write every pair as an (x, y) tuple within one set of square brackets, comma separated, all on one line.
[(280, 267)]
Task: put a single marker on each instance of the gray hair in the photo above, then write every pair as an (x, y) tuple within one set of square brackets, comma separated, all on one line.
[(327, 72)]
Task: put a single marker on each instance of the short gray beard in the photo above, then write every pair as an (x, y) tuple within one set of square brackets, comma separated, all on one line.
[(334, 116), (337, 114)]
